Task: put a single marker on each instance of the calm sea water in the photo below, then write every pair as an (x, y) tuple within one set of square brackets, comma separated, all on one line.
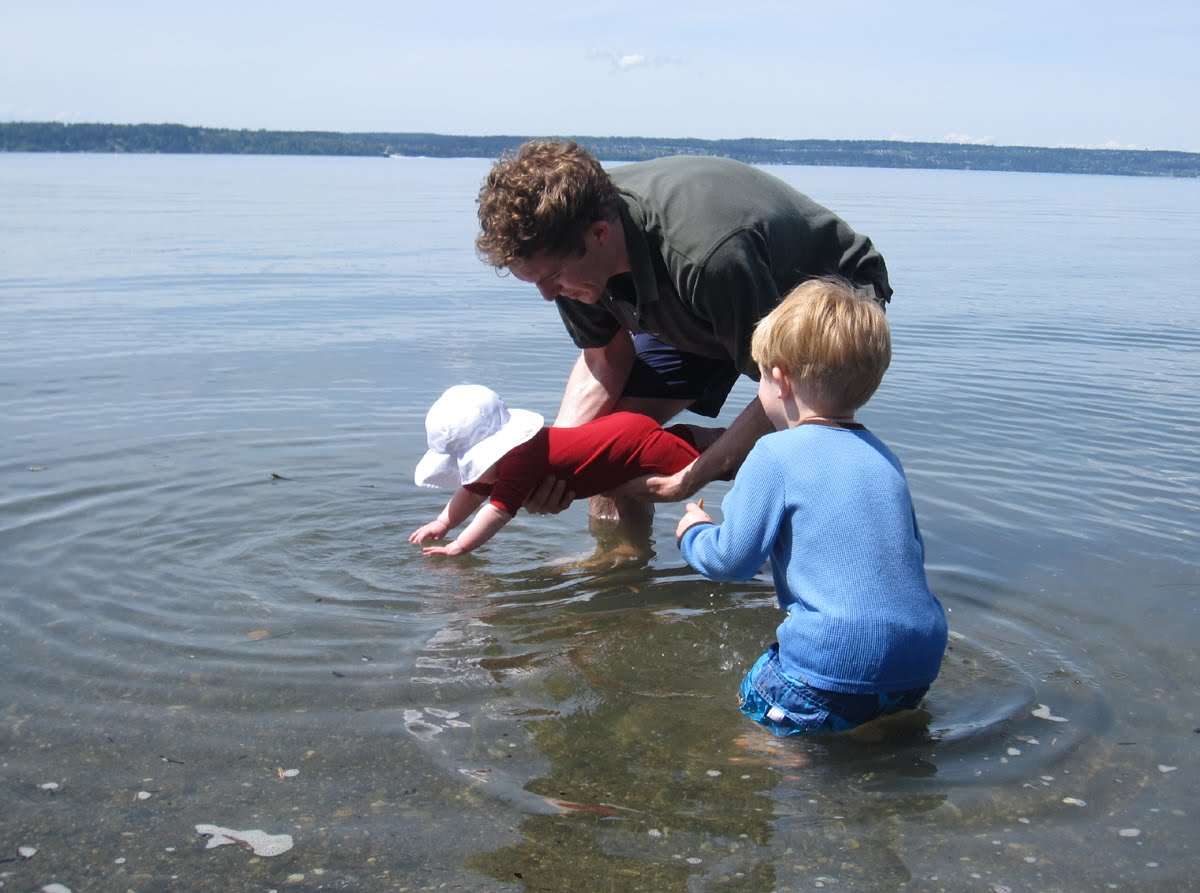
[(213, 375)]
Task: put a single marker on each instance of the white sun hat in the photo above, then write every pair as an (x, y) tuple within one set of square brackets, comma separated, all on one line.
[(467, 430)]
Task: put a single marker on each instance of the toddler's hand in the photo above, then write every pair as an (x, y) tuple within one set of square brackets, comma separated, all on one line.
[(434, 530), (694, 514)]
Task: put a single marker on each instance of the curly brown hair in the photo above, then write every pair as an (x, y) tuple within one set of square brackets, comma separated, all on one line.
[(542, 199)]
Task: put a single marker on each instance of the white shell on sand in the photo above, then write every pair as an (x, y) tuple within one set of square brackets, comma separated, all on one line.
[(1043, 712), (260, 842)]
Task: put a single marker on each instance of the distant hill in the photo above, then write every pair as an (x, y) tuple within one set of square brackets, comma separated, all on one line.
[(180, 139)]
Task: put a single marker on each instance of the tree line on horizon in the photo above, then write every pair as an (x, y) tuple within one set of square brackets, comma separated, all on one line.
[(183, 139)]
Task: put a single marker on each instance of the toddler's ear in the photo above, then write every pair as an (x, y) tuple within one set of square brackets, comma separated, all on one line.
[(783, 384)]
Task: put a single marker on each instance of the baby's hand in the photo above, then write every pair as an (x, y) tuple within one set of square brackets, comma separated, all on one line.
[(434, 530), (451, 549)]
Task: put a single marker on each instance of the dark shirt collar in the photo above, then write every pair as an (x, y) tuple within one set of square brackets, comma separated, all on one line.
[(637, 245)]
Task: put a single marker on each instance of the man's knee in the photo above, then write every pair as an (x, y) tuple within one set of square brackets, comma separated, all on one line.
[(608, 508)]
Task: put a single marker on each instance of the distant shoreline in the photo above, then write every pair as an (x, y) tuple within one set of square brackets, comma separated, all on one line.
[(182, 139)]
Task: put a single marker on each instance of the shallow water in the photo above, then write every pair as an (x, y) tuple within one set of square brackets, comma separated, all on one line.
[(213, 380)]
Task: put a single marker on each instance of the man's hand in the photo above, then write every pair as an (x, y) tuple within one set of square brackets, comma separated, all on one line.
[(550, 497), (672, 488), (659, 487), (692, 516), (434, 530), (719, 462)]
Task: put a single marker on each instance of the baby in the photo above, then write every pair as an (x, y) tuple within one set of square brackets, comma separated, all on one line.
[(492, 454)]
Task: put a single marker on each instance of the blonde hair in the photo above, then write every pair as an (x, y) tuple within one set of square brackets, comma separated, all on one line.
[(833, 340), (542, 199)]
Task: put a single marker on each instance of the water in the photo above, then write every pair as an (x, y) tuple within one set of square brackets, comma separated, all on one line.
[(213, 376)]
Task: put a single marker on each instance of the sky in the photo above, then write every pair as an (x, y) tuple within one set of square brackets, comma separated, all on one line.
[(1018, 72)]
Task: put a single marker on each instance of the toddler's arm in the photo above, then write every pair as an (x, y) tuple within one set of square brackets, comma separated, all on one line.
[(754, 511), (457, 510), (485, 525)]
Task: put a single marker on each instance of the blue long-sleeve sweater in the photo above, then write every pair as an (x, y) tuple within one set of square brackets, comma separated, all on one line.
[(831, 509)]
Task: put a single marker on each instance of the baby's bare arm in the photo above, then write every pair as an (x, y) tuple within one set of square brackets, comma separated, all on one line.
[(485, 525), (457, 510)]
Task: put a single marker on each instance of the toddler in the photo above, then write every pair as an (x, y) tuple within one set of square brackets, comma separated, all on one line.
[(828, 504)]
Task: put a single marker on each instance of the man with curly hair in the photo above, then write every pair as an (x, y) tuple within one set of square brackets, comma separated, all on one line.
[(660, 270)]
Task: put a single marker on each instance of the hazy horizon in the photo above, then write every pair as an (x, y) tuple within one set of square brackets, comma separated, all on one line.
[(617, 136)]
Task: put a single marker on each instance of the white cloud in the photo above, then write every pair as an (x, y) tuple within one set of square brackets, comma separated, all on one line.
[(967, 139), (620, 61), (1110, 144)]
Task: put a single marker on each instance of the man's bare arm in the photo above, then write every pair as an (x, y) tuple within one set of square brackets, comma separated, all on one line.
[(596, 381), (719, 461), (592, 390)]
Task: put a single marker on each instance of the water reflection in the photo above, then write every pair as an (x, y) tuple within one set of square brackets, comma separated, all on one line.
[(607, 716), (556, 713)]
